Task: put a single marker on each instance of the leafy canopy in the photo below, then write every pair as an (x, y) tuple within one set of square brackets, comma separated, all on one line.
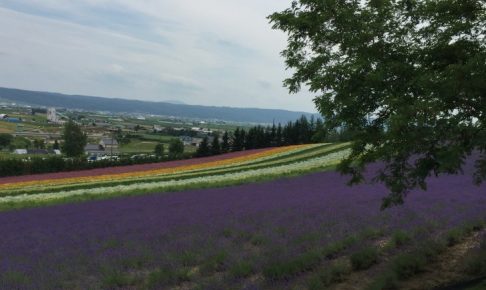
[(407, 76), (74, 140), (176, 149)]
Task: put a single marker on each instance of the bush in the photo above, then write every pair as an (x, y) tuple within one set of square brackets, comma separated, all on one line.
[(117, 280), (454, 237), (167, 276), (408, 265), (476, 261), (400, 238), (290, 268), (241, 270), (336, 273), (364, 259), (387, 281), (431, 249), (476, 264), (215, 263)]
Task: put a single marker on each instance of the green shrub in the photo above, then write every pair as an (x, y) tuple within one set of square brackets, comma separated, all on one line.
[(241, 270), (333, 249), (287, 269), (15, 277), (216, 263), (257, 240), (364, 258), (476, 264), (408, 265), (387, 281), (400, 238), (167, 276), (454, 237), (431, 249), (117, 279), (473, 226), (336, 273), (315, 283), (371, 233), (188, 258)]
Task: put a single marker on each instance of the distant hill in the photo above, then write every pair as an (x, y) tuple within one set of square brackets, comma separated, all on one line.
[(88, 103)]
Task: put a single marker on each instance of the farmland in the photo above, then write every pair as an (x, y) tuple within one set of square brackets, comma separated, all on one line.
[(277, 218)]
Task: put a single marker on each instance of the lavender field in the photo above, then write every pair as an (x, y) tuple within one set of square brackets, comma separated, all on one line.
[(280, 234)]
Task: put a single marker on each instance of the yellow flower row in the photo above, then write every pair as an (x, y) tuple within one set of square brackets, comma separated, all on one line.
[(145, 173)]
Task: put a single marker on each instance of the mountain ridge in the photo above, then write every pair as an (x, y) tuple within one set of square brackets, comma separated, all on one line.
[(118, 105)]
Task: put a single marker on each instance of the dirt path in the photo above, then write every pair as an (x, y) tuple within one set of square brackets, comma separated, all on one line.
[(445, 271)]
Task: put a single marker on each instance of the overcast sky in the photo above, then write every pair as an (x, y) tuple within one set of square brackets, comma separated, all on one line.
[(212, 52)]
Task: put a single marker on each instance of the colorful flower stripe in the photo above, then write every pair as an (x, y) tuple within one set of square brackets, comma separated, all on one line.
[(314, 163), (276, 160), (127, 168), (141, 174)]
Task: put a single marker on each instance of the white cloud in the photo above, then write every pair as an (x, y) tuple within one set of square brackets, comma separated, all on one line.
[(210, 52)]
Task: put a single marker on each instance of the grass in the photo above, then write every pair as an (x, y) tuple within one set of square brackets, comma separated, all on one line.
[(408, 264), (117, 279), (241, 269), (166, 277), (139, 147), (286, 269), (334, 273), (400, 238), (215, 263), (364, 259)]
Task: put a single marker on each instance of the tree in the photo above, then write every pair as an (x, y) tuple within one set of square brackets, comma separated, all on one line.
[(5, 140), (56, 146), (40, 144), (203, 149), (238, 140), (225, 146), (159, 150), (176, 148), (405, 76), (215, 147), (74, 140)]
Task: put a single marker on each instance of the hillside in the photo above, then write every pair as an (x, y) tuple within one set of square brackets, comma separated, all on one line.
[(89, 103), (275, 218)]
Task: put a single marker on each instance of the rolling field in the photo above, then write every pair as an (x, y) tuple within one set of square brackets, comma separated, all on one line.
[(266, 219)]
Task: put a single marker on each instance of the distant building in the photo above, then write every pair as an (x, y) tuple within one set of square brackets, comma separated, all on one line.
[(158, 129), (94, 150), (191, 141), (52, 116), (11, 120), (110, 145), (186, 140), (20, 151)]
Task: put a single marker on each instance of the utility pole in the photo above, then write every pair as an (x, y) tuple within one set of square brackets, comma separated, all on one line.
[(112, 137)]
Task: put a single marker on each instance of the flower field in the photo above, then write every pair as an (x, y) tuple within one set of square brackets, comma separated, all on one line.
[(214, 228), (235, 168)]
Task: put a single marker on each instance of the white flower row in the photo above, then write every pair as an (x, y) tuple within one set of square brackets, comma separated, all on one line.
[(214, 169), (310, 164)]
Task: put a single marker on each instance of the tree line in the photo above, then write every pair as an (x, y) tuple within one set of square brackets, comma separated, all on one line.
[(302, 131)]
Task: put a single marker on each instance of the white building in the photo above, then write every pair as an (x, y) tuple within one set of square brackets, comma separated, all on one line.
[(52, 116)]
